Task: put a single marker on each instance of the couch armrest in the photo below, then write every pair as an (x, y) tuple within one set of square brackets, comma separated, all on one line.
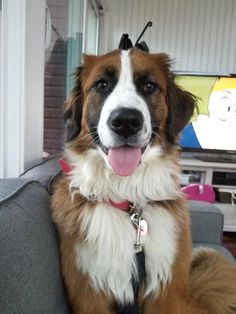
[(206, 223), (45, 172)]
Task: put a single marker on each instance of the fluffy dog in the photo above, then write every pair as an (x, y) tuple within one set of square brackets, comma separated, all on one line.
[(121, 198)]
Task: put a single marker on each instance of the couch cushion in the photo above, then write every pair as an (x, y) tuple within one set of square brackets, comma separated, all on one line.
[(30, 280)]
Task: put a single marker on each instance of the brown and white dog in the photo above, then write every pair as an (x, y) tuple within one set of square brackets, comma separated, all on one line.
[(123, 120)]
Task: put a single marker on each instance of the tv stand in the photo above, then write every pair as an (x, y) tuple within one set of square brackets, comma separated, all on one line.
[(222, 177), (216, 159)]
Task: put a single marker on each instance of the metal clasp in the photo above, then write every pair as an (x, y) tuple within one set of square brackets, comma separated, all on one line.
[(136, 220)]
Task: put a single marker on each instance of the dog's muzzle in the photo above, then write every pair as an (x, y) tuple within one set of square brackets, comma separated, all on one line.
[(125, 126), (124, 133)]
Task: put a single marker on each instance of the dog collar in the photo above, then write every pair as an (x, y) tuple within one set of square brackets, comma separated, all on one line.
[(65, 167), (125, 206)]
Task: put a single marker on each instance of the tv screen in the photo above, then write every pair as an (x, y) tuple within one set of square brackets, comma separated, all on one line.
[(213, 127)]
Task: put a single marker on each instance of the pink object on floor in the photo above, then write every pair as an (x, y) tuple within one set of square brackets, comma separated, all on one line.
[(199, 192)]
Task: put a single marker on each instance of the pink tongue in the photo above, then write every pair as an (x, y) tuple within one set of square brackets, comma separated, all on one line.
[(124, 160)]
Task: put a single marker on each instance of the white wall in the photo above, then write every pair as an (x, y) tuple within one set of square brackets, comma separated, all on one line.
[(1, 102), (21, 101), (198, 34)]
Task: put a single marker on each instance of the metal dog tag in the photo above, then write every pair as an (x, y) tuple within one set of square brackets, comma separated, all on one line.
[(144, 228), (141, 227), (137, 220)]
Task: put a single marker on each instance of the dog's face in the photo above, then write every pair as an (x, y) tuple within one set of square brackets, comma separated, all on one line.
[(124, 103)]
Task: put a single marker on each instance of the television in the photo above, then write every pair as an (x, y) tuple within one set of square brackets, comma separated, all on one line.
[(211, 133)]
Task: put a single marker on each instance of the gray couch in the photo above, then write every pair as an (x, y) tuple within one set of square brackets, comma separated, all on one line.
[(30, 279)]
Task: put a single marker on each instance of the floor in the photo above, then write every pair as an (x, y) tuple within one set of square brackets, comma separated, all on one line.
[(230, 242)]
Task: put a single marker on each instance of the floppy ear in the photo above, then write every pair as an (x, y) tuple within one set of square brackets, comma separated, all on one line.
[(181, 105), (73, 108)]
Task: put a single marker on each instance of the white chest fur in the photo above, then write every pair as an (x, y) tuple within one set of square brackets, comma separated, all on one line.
[(108, 254)]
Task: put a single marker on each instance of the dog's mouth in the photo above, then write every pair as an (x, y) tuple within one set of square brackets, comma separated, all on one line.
[(124, 160)]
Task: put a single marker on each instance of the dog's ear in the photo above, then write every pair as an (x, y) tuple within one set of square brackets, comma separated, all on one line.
[(73, 108), (181, 106)]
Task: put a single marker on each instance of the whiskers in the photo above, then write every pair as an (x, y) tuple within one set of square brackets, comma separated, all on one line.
[(89, 139), (159, 136)]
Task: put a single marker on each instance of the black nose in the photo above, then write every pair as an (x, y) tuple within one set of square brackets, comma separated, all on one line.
[(125, 121)]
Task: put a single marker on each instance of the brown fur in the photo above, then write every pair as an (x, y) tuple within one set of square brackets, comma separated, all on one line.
[(82, 297), (205, 284), (213, 282)]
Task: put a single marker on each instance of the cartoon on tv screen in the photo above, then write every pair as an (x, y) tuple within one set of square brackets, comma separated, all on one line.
[(214, 126)]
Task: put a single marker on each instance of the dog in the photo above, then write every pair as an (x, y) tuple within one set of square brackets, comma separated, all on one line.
[(123, 222)]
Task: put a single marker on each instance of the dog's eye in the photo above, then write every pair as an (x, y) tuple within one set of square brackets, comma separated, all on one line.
[(149, 87), (102, 86)]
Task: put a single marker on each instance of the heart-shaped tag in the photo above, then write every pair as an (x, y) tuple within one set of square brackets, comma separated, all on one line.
[(144, 228)]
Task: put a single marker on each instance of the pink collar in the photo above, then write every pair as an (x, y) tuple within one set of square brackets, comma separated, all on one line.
[(124, 206), (65, 167)]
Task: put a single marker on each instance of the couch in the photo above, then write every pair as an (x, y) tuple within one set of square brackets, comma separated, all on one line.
[(30, 278)]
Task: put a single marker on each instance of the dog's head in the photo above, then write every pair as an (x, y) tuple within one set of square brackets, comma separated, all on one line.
[(123, 103)]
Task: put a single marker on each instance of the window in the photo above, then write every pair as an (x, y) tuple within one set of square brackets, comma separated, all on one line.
[(92, 28), (27, 66), (21, 71), (75, 28)]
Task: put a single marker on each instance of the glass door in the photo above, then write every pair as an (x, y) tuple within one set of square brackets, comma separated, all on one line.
[(75, 39), (1, 100), (72, 29), (91, 28)]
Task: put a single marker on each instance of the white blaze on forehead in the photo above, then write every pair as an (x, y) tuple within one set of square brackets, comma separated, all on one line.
[(124, 95), (126, 74)]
